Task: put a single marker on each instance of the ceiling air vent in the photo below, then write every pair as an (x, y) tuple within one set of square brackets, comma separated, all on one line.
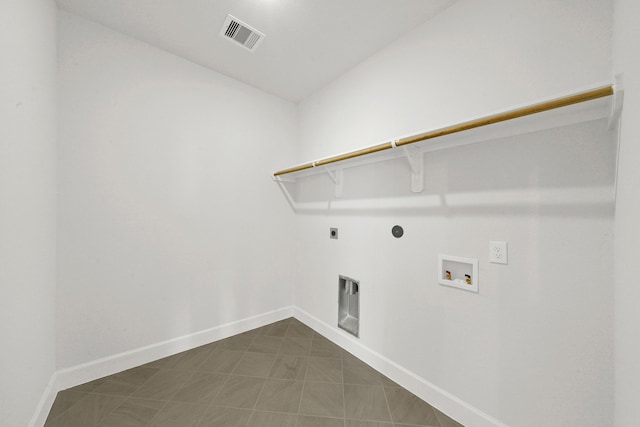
[(236, 30)]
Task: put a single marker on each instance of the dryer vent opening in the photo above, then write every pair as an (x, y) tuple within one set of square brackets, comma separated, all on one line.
[(349, 305)]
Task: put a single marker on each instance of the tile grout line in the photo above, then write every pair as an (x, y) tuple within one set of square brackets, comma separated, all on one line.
[(253, 411), (304, 378), (166, 402), (384, 391), (211, 403), (344, 397)]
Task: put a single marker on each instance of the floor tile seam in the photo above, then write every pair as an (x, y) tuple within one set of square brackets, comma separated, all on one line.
[(384, 392), (364, 385), (97, 422), (169, 398), (262, 352), (226, 381), (156, 414), (262, 389), (408, 424), (197, 368), (204, 412), (212, 399), (274, 412), (178, 369), (386, 398), (67, 410), (145, 382), (413, 425), (344, 395), (435, 411), (344, 399), (325, 357), (304, 383)]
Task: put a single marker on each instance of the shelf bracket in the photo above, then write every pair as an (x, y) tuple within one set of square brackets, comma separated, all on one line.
[(337, 178), (281, 183), (416, 163)]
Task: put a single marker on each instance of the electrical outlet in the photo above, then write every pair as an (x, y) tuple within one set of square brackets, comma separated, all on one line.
[(498, 252)]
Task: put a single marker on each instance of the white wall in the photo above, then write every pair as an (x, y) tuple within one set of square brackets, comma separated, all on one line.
[(627, 226), (168, 223), (27, 205), (534, 347)]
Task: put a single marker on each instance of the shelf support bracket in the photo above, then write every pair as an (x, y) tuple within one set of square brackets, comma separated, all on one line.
[(281, 183), (337, 178), (416, 163)]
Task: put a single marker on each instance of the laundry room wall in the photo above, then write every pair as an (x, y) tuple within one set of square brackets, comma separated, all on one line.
[(169, 223), (534, 346)]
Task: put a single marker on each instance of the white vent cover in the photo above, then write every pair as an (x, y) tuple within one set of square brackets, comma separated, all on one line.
[(236, 30)]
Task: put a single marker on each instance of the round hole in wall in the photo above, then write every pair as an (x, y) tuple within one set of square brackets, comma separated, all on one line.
[(397, 231)]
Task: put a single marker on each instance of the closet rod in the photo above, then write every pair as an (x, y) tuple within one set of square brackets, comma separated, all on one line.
[(497, 118)]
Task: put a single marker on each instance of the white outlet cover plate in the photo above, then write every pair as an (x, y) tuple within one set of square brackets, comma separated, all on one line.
[(498, 253)]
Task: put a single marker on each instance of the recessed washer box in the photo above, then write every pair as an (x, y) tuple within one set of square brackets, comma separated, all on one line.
[(349, 305), (458, 272)]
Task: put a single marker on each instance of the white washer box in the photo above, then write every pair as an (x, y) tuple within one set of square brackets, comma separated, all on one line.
[(458, 272)]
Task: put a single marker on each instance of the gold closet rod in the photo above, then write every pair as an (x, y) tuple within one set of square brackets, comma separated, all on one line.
[(497, 118)]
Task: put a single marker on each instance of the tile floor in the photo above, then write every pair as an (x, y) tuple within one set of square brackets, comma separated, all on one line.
[(283, 375)]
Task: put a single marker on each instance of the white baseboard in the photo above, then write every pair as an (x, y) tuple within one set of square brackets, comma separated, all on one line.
[(46, 401), (71, 377), (446, 402), (439, 398)]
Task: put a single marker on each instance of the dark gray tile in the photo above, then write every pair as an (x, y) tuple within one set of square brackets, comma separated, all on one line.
[(92, 409), (175, 414), (222, 384), (387, 382), (126, 382), (239, 392), (357, 372), (255, 364), (132, 413), (221, 361), (322, 399), (60, 421), (289, 367), (365, 403), (90, 386), (348, 356), (193, 359), (277, 329), (324, 370), (280, 396), (237, 342), (364, 423), (272, 419), (266, 344), (201, 388), (322, 347), (296, 346), (406, 408), (65, 399), (446, 421), (163, 385), (298, 329), (165, 363), (225, 417), (310, 421)]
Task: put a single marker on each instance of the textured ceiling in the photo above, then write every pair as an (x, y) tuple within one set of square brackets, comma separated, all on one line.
[(308, 42)]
